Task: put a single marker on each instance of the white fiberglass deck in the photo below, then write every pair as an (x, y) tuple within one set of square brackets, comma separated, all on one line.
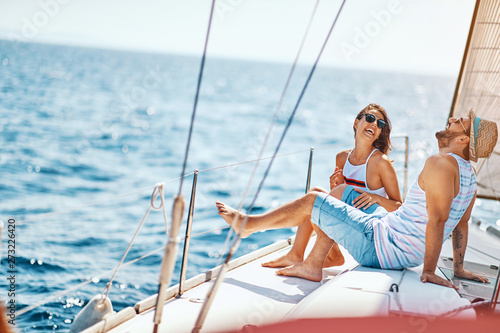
[(253, 295)]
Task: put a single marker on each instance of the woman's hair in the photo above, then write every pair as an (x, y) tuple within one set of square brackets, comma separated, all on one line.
[(383, 142)]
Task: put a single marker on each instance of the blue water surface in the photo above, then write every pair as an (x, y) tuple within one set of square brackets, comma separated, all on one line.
[(85, 134)]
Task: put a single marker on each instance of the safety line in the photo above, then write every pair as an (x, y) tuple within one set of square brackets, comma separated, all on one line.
[(200, 77)]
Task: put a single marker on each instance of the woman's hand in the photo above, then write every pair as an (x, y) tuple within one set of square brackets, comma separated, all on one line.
[(336, 178), (365, 199)]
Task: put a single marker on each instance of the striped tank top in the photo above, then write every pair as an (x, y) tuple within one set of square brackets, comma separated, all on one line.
[(355, 175), (400, 235)]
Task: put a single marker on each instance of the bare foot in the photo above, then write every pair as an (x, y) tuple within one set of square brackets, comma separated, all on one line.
[(335, 257), (302, 270), (284, 261), (232, 217)]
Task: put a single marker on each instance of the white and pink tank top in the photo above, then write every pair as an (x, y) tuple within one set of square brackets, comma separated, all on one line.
[(400, 235)]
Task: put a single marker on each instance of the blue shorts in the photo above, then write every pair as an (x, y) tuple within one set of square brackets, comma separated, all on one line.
[(348, 226), (350, 194)]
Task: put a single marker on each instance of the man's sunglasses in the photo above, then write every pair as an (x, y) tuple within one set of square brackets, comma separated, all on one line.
[(371, 118)]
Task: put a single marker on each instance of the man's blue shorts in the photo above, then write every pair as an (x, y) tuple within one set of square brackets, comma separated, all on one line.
[(348, 226)]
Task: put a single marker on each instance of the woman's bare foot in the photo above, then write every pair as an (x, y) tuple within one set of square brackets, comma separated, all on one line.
[(231, 215), (284, 261), (335, 257), (302, 270)]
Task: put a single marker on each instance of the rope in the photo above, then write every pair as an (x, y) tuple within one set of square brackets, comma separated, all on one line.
[(395, 291), (38, 217), (158, 191), (252, 161), (273, 121), (100, 276), (212, 292), (290, 119), (72, 209), (200, 77), (465, 307)]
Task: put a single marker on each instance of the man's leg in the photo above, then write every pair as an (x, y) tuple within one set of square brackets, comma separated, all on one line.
[(289, 215), (302, 237), (311, 268), (324, 252), (296, 254)]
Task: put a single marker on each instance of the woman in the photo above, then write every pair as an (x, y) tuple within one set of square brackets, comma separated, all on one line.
[(365, 174)]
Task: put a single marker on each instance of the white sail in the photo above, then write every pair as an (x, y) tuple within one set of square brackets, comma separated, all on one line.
[(478, 86)]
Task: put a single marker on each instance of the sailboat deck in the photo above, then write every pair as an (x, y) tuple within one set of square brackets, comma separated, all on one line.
[(253, 295)]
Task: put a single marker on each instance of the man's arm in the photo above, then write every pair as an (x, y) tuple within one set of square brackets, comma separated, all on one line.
[(437, 179), (459, 236)]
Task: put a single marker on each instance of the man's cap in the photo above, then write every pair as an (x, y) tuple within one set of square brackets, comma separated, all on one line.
[(483, 137)]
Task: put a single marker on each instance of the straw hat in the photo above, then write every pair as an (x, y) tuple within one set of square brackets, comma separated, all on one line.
[(483, 137)]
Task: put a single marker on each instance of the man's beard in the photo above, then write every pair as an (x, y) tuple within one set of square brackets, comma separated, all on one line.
[(444, 137)]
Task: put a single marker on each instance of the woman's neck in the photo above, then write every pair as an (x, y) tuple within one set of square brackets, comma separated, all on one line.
[(360, 153)]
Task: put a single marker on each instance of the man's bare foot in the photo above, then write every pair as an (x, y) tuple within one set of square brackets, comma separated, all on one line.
[(284, 261), (302, 270), (335, 257), (231, 215)]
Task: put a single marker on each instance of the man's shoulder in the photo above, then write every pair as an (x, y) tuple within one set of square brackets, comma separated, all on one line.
[(441, 162)]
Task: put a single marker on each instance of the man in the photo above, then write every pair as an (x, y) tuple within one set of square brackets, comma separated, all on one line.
[(439, 203)]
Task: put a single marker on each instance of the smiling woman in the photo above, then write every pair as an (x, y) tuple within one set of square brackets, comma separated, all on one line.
[(364, 177)]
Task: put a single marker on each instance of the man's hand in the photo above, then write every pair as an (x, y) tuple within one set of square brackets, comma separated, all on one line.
[(433, 278), (464, 274), (336, 178)]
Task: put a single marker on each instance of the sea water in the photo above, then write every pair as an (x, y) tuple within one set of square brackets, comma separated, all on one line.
[(86, 134)]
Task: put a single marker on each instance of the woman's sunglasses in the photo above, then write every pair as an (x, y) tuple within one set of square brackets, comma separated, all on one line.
[(371, 118)]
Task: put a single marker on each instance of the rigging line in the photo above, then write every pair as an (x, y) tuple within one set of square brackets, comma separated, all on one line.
[(462, 308), (275, 117), (280, 155), (88, 281), (102, 275), (200, 77), (38, 217), (211, 294), (251, 161), (290, 119), (157, 192), (31, 218), (92, 203)]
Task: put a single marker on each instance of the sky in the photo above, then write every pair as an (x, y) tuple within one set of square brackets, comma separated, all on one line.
[(417, 36)]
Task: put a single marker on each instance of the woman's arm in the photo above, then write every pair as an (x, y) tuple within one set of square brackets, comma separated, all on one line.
[(390, 183), (337, 177)]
